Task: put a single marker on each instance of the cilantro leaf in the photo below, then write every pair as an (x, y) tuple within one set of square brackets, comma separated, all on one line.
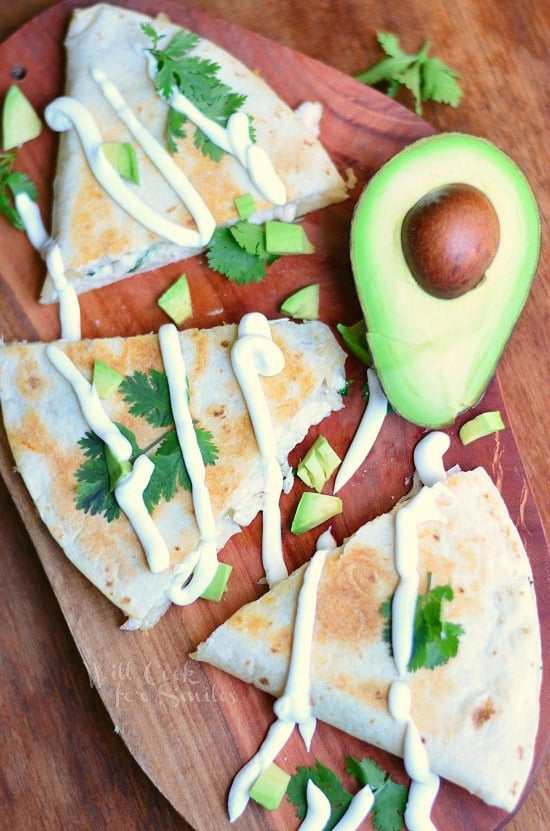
[(197, 79), (328, 782), (169, 473), (170, 470), (439, 83), (93, 492), (226, 255), (174, 129), (427, 78), (390, 798), (13, 182), (435, 640), (149, 397)]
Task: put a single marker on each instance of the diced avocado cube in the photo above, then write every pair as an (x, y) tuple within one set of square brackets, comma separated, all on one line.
[(286, 238), (318, 465), (218, 585), (482, 425), (122, 156), (20, 121), (270, 787), (245, 205), (176, 301), (313, 509), (117, 468), (303, 304), (105, 378), (355, 339)]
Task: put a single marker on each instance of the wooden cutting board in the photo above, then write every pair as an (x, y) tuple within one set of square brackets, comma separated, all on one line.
[(191, 728)]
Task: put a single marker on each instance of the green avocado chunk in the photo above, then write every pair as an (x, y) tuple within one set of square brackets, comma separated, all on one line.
[(20, 121), (105, 378), (303, 304), (176, 301), (435, 355), (313, 509), (270, 787), (122, 156)]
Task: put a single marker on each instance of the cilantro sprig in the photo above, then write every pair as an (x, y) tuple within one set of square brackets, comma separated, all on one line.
[(240, 253), (197, 79), (435, 640), (390, 798), (426, 77), (13, 182), (149, 398)]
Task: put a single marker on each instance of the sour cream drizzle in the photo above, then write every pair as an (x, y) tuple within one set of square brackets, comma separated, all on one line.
[(203, 561), (234, 139), (69, 308), (294, 706), (162, 160), (422, 508), (428, 457), (425, 784), (253, 354), (367, 432), (130, 488), (357, 810), (422, 793), (318, 808), (129, 495), (66, 112)]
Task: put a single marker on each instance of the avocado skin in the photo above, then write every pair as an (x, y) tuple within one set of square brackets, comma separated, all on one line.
[(435, 357)]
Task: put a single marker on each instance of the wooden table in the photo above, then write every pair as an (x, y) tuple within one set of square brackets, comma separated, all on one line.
[(66, 767)]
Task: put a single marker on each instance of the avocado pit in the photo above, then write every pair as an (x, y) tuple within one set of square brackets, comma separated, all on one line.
[(449, 239)]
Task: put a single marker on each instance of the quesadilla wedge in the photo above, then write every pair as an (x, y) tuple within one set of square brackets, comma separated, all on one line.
[(477, 713), (100, 242), (64, 466)]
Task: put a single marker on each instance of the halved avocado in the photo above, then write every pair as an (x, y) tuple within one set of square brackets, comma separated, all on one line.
[(435, 356)]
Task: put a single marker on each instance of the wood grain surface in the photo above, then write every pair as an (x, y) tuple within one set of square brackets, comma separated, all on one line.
[(62, 764)]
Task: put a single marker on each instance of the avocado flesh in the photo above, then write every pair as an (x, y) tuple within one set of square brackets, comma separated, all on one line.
[(435, 357)]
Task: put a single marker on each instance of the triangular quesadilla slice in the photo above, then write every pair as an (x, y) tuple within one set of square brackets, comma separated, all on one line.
[(100, 242), (477, 713), (64, 467)]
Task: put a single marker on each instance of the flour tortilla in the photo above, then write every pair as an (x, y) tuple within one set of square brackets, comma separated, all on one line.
[(99, 242), (478, 713), (44, 423)]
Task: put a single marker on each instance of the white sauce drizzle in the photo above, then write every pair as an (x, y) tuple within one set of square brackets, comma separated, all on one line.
[(234, 139), (422, 508), (367, 432), (253, 354), (130, 489), (318, 808), (326, 540), (90, 404), (277, 736), (423, 791), (425, 784), (294, 706), (69, 308), (357, 810), (428, 457), (162, 160), (422, 796), (129, 495), (66, 112), (203, 562)]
